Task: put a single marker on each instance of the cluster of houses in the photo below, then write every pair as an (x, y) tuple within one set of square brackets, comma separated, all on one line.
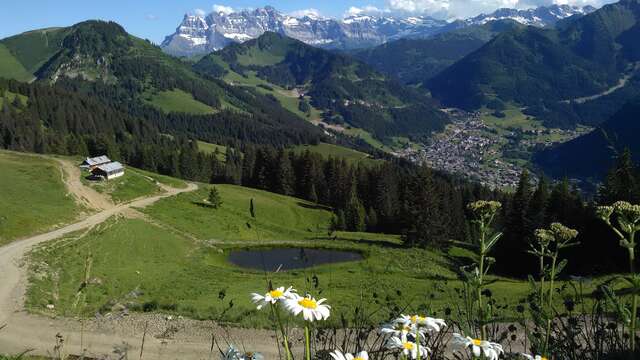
[(102, 167)]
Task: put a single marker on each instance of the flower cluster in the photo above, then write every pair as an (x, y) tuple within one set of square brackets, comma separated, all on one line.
[(234, 354), (339, 355), (407, 332), (490, 350), (534, 357), (310, 308)]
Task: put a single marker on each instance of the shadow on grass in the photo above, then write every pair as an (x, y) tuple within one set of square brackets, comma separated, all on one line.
[(314, 206), (380, 243), (203, 204)]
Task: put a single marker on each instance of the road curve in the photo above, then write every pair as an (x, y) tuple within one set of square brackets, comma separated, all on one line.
[(24, 331)]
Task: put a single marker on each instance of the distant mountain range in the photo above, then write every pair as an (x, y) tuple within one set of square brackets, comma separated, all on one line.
[(415, 61), (571, 73), (204, 34)]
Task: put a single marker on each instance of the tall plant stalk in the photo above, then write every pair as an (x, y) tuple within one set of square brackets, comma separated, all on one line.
[(484, 213), (285, 339), (307, 342), (557, 237), (627, 223)]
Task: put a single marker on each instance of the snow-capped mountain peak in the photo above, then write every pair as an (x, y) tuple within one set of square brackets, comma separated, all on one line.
[(197, 34), (542, 16)]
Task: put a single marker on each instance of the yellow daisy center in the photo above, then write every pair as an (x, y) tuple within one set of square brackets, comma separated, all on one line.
[(476, 342), (358, 358), (407, 346), (308, 303), (416, 318), (276, 293)]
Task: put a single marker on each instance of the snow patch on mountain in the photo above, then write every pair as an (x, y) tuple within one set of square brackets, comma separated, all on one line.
[(202, 34)]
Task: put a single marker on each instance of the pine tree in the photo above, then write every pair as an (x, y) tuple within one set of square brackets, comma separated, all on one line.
[(284, 180), (313, 195), (424, 202), (511, 253), (341, 220), (215, 200), (354, 212), (372, 220), (538, 205), (621, 183)]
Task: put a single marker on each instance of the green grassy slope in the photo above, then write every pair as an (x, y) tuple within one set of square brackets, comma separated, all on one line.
[(209, 148), (337, 89), (143, 265), (10, 67), (34, 48), (33, 198), (133, 184), (337, 151), (10, 97), (179, 101), (277, 217)]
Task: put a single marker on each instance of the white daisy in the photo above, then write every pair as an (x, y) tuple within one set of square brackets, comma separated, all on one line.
[(408, 348), (272, 296), (338, 355), (489, 349), (396, 328), (532, 357), (310, 308), (234, 354), (422, 322)]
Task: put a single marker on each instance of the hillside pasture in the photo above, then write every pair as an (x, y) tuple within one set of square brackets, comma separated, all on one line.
[(34, 197)]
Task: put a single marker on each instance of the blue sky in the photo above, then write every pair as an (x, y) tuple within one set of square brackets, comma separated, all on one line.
[(154, 19)]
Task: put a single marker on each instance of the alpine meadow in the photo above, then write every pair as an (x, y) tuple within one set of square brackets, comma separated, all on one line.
[(430, 180)]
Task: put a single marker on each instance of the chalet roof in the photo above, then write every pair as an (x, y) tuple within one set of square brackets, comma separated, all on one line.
[(111, 167), (98, 160)]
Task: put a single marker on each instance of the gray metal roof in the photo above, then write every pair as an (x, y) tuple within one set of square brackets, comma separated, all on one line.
[(97, 160), (111, 167)]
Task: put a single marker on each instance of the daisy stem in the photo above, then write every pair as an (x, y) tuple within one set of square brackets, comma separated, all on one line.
[(418, 342), (284, 335), (552, 277), (634, 304), (307, 344)]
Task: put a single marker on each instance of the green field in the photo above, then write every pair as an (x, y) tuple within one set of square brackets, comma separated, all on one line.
[(33, 198), (34, 48), (133, 184), (177, 263), (209, 148), (327, 150), (277, 217), (286, 97), (11, 68), (162, 179), (142, 265), (179, 101), (10, 97)]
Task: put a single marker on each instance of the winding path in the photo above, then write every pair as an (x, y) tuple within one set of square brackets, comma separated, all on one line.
[(621, 83), (100, 336)]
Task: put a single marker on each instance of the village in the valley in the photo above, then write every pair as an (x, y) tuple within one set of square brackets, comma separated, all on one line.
[(475, 150)]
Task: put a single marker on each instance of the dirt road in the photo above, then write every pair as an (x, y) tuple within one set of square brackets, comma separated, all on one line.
[(101, 336)]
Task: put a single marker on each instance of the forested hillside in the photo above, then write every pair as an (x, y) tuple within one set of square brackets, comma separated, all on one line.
[(590, 156), (551, 70), (414, 61), (347, 91)]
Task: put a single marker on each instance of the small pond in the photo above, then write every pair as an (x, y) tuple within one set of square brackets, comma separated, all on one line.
[(289, 258)]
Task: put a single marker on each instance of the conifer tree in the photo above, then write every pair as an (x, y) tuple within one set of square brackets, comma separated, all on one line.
[(284, 180), (621, 183), (511, 253), (215, 200)]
